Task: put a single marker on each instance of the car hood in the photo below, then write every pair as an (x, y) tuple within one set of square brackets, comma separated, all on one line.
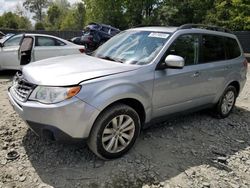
[(71, 70)]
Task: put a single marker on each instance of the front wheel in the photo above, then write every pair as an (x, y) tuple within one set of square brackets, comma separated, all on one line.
[(114, 131), (226, 103)]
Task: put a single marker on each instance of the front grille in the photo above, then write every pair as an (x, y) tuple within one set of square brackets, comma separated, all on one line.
[(21, 89)]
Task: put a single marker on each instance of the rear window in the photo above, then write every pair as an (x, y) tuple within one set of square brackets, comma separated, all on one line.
[(212, 49), (233, 49)]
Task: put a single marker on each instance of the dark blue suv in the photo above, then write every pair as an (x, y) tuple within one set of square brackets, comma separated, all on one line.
[(96, 34)]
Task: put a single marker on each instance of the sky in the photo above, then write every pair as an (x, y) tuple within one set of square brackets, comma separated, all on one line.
[(9, 5)]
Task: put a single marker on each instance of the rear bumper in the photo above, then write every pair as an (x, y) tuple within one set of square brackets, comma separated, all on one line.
[(70, 119)]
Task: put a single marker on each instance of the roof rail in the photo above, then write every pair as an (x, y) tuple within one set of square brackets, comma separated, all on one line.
[(202, 26)]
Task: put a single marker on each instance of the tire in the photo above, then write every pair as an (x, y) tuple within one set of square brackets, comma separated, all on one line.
[(106, 139), (219, 110)]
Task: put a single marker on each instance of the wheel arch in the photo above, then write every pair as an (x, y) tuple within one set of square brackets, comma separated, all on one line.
[(133, 103), (236, 84)]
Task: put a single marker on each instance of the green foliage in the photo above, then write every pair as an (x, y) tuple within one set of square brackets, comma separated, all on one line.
[(60, 15), (54, 17), (74, 19), (37, 7), (233, 14), (181, 12), (39, 26), (11, 20), (107, 12)]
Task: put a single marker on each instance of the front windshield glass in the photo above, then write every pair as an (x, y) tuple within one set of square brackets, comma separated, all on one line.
[(133, 47)]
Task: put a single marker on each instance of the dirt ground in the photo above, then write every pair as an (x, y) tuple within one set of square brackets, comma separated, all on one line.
[(195, 150)]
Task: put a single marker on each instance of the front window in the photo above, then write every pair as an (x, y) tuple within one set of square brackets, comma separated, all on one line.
[(13, 41), (185, 46), (133, 47)]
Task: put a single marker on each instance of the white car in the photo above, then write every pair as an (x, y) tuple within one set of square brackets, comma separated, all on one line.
[(22, 49)]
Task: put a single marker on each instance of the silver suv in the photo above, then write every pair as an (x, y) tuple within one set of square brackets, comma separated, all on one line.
[(138, 77)]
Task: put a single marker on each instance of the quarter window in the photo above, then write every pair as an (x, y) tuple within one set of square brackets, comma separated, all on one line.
[(233, 49), (185, 46), (48, 41), (212, 49)]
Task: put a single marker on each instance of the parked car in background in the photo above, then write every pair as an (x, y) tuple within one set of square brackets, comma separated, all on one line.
[(138, 77), (77, 40), (96, 34), (1, 34), (22, 49), (4, 38)]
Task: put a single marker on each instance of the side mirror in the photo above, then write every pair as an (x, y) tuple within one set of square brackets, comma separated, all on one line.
[(174, 61), (1, 45)]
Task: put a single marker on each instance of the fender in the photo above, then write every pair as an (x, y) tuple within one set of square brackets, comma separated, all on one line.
[(104, 93)]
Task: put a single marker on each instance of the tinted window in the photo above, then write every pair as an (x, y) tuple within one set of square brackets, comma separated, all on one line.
[(185, 46), (47, 41), (233, 49), (14, 41), (212, 49), (105, 29)]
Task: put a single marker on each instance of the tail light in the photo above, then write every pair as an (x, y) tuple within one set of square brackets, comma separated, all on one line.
[(245, 63), (82, 50)]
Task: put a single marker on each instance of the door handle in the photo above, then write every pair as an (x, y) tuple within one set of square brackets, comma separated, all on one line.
[(196, 74)]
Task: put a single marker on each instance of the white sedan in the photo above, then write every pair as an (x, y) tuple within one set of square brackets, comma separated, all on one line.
[(22, 49)]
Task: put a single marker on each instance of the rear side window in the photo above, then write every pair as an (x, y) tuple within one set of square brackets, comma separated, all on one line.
[(48, 41), (233, 49), (185, 46), (212, 49)]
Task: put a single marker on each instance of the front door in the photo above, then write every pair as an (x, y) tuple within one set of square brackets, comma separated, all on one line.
[(9, 53), (26, 49)]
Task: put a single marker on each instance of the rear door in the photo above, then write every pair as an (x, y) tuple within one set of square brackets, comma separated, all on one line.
[(9, 57), (213, 61), (220, 57)]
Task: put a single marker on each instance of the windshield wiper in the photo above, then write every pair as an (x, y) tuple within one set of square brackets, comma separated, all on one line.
[(111, 59)]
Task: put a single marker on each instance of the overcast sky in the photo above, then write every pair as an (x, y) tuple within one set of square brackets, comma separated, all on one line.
[(9, 5)]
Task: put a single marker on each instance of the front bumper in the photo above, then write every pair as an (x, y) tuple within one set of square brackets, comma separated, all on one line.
[(70, 119)]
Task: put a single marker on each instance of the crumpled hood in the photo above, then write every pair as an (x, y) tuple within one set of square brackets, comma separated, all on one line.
[(71, 70)]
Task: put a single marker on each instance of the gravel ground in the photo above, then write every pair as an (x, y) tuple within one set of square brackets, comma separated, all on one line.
[(195, 150)]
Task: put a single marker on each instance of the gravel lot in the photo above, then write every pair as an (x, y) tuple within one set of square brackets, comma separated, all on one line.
[(195, 150)]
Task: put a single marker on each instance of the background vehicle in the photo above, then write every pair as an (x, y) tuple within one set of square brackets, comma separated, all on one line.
[(138, 77), (77, 40), (1, 35), (96, 34), (22, 49)]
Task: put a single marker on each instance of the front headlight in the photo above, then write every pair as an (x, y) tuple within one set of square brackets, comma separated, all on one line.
[(49, 95)]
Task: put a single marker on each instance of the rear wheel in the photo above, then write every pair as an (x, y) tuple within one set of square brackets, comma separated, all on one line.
[(226, 103), (114, 131)]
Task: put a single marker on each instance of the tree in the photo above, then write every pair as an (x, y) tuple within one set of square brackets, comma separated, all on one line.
[(37, 7), (109, 12), (141, 12), (54, 15), (233, 14), (11, 20), (74, 19), (178, 12), (39, 26), (62, 4)]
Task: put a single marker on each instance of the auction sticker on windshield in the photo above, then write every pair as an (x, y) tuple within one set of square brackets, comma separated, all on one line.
[(159, 35)]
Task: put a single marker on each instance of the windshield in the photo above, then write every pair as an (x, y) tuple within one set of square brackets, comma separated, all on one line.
[(132, 47)]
